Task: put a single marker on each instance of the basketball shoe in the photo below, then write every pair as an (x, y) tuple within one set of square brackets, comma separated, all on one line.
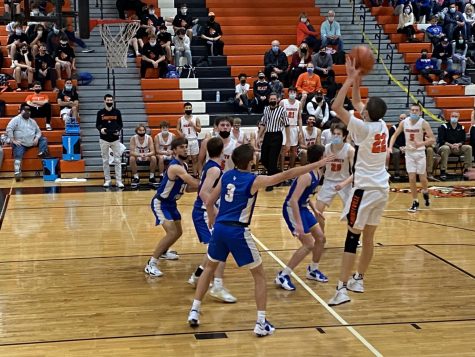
[(193, 280), (355, 284), (414, 207), (426, 198), (264, 329), (222, 294), (316, 275), (194, 318), (284, 282), (340, 297), (170, 255), (152, 270)]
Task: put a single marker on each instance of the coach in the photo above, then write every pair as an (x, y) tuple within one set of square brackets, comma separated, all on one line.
[(271, 126)]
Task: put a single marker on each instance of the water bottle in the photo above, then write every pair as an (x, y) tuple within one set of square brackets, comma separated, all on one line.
[(218, 96)]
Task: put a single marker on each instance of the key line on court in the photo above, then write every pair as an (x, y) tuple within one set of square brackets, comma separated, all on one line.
[(5, 205), (332, 312), (445, 261)]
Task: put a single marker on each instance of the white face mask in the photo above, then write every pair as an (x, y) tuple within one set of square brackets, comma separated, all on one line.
[(153, 43), (407, 11), (304, 19), (292, 96), (184, 11), (165, 131), (151, 12)]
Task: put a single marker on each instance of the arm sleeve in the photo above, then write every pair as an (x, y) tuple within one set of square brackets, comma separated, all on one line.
[(119, 120), (441, 135), (10, 127), (98, 121)]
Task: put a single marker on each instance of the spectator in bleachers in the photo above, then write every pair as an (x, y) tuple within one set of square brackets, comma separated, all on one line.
[(9, 4), (39, 104), (23, 66), (308, 84), (276, 86), (306, 33), (68, 101), (45, 68), (434, 32), (422, 10), (69, 31), (451, 139), (16, 39), (164, 38), (323, 63), (298, 64), (319, 108), (212, 35), (427, 66), (459, 53), (182, 47), (183, 20), (469, 18), (153, 56), (53, 39), (398, 148), (406, 24), (65, 58), (454, 23), (146, 29), (123, 5), (241, 100), (443, 54), (261, 89), (24, 134), (237, 134), (276, 61), (162, 143), (150, 18), (36, 34), (330, 32), (142, 153)]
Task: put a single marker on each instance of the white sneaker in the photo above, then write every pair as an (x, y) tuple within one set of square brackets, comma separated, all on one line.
[(222, 294), (107, 183), (264, 329), (442, 82), (119, 184), (340, 297), (170, 255), (193, 280), (48, 127), (434, 83), (355, 285), (194, 318), (152, 270)]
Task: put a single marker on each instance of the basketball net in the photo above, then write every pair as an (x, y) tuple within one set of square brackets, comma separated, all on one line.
[(116, 37)]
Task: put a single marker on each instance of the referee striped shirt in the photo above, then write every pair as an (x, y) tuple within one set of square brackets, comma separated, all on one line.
[(275, 120)]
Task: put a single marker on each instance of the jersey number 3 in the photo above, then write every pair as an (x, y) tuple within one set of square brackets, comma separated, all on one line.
[(229, 196), (379, 144)]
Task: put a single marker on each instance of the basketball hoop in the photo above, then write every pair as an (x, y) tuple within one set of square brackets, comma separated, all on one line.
[(116, 35)]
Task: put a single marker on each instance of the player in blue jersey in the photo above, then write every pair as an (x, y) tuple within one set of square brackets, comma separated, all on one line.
[(303, 223), (210, 176), (237, 191), (172, 187)]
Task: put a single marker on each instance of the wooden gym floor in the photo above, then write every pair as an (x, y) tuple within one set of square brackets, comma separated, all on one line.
[(72, 282)]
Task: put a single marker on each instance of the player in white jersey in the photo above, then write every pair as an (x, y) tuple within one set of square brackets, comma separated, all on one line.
[(337, 177), (142, 153), (308, 136), (370, 191), (415, 130), (237, 134), (162, 142), (294, 113), (189, 126)]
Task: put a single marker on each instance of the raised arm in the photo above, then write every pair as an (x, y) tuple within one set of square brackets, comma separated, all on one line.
[(351, 80)]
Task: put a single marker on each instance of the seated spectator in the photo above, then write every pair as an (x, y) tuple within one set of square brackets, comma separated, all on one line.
[(406, 24), (69, 31), (150, 18), (24, 134), (9, 4), (213, 38), (183, 20), (330, 32), (261, 89), (23, 66), (434, 32), (36, 35), (422, 10), (299, 62), (323, 63), (68, 101), (319, 108), (16, 39), (241, 100), (308, 84), (451, 139), (276, 61), (164, 38), (65, 59), (443, 54), (237, 134), (459, 53), (162, 143), (153, 56), (44, 68), (52, 41), (309, 136), (142, 153), (469, 18), (427, 66), (454, 23), (306, 33), (123, 5), (276, 86), (145, 30), (182, 47), (398, 148), (39, 105)]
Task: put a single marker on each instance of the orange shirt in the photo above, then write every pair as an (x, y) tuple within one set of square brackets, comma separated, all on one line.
[(308, 84), (36, 97)]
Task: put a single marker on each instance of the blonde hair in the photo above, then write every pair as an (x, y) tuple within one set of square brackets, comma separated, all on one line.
[(237, 121), (469, 7)]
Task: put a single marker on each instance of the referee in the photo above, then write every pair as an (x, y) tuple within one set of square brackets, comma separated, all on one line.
[(272, 123)]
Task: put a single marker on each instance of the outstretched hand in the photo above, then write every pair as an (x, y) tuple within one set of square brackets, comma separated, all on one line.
[(352, 73)]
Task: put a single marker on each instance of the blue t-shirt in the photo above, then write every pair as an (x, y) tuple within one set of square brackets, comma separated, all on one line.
[(171, 190)]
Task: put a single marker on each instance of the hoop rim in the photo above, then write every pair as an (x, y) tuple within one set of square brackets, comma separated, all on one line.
[(94, 22)]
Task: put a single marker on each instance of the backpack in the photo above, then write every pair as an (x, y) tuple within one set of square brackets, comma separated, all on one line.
[(172, 72), (463, 80), (188, 72), (84, 78)]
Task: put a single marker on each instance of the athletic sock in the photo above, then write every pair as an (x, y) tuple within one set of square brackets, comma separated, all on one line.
[(153, 261), (358, 276), (261, 317), (287, 271), (341, 285), (199, 271), (136, 176), (196, 305), (218, 283), (313, 266)]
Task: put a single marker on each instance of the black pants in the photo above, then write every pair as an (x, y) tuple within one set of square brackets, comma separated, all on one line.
[(427, 72), (50, 74), (42, 112), (245, 103), (408, 30), (123, 5), (270, 150), (162, 68), (215, 48), (259, 105)]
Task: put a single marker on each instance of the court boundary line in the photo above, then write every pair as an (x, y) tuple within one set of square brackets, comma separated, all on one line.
[(5, 206), (332, 312), (453, 265)]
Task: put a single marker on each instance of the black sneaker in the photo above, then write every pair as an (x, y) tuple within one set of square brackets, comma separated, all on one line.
[(426, 198), (414, 207), (17, 176), (153, 182), (443, 175), (135, 182)]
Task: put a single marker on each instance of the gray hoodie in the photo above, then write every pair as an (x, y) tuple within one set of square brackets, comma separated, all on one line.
[(23, 130)]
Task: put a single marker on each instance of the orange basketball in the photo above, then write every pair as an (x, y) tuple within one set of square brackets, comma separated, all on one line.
[(364, 59)]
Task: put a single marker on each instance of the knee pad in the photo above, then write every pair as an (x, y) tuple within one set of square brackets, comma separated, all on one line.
[(351, 242)]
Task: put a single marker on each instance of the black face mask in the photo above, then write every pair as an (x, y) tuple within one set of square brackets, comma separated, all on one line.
[(424, 56), (211, 19), (243, 81), (318, 99), (141, 134), (37, 91), (273, 78), (188, 112), (261, 77), (323, 53), (183, 157), (109, 105), (224, 134), (272, 104), (303, 50)]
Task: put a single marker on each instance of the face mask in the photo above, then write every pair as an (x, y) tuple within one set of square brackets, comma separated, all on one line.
[(452, 10), (460, 41), (183, 157), (292, 96), (68, 87), (331, 18), (211, 19), (18, 32), (303, 19), (454, 120), (165, 131), (184, 11), (24, 50), (224, 134), (275, 49), (424, 55), (35, 13), (337, 140), (151, 12), (109, 105), (303, 50), (310, 70), (318, 99), (407, 11), (273, 78), (188, 112), (37, 91), (63, 44), (55, 30), (261, 77), (243, 81), (323, 53), (39, 31), (414, 116), (141, 134), (273, 103), (153, 43)]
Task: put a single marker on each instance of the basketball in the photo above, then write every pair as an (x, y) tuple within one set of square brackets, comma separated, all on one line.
[(364, 59)]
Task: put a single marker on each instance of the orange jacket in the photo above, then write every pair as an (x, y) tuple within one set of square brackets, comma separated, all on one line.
[(303, 32), (308, 84)]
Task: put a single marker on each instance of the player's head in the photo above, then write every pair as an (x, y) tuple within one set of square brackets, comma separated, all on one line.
[(215, 147), (223, 126), (237, 123), (415, 111), (188, 108), (311, 120), (180, 147), (140, 130), (164, 125), (243, 156), (339, 130), (374, 109), (315, 153), (292, 92)]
